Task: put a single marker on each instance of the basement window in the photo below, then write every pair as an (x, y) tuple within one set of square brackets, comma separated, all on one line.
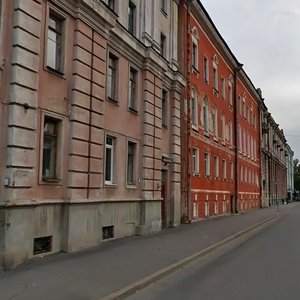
[(107, 232), (42, 244)]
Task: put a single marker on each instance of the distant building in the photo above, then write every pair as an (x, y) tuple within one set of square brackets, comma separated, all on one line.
[(274, 152), (289, 154)]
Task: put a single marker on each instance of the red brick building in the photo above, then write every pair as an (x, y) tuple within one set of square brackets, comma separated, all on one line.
[(220, 124)]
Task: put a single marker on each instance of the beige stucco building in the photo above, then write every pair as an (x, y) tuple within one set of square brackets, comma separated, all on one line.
[(89, 123)]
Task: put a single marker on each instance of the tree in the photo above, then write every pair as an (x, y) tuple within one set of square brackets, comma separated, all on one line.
[(296, 174)]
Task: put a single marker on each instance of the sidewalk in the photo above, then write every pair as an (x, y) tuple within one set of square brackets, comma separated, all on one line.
[(95, 273)]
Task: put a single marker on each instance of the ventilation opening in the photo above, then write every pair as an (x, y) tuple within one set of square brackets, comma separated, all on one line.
[(107, 232), (42, 244)]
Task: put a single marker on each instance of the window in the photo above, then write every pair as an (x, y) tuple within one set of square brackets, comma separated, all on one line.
[(224, 169), (163, 40), (240, 139), (207, 164), (214, 115), (231, 171), (112, 77), (111, 4), (164, 108), (216, 166), (164, 6), (131, 17), (230, 91), (194, 109), (223, 128), (205, 116), (195, 154), (50, 147), (131, 159), (205, 69), (195, 56), (223, 88), (55, 42), (244, 108), (132, 89), (109, 159), (215, 73), (215, 77), (230, 133)]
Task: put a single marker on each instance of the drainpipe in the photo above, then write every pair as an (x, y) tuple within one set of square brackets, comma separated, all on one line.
[(236, 138)]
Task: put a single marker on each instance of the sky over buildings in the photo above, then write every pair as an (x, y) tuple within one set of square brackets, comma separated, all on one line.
[(264, 36)]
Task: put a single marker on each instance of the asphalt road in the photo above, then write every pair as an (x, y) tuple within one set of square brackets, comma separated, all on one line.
[(264, 266)]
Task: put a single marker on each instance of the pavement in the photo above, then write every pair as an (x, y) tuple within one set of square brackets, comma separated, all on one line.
[(117, 268)]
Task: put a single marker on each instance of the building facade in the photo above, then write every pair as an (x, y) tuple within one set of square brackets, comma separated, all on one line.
[(221, 161), (90, 123), (122, 117), (275, 153), (289, 154)]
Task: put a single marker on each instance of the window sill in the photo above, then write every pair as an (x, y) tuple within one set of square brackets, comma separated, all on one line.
[(51, 181), (164, 12), (215, 91), (55, 72), (113, 101), (131, 186), (195, 70), (195, 127), (110, 185), (196, 174), (132, 110), (164, 126)]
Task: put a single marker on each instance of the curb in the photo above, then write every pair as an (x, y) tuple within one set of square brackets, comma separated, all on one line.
[(146, 281)]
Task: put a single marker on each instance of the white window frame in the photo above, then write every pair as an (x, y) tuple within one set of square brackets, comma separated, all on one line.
[(205, 116), (133, 89), (131, 17), (207, 164), (231, 171), (215, 122), (60, 51), (112, 77), (206, 69), (224, 169), (131, 183), (57, 122), (223, 129), (164, 107), (195, 160), (223, 87), (112, 148), (194, 109), (216, 167), (215, 77)]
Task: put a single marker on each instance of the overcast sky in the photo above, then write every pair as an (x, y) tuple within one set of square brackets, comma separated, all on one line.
[(264, 35)]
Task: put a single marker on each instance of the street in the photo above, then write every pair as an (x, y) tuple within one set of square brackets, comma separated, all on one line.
[(265, 266)]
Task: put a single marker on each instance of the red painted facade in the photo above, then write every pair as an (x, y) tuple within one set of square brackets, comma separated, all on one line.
[(218, 176)]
